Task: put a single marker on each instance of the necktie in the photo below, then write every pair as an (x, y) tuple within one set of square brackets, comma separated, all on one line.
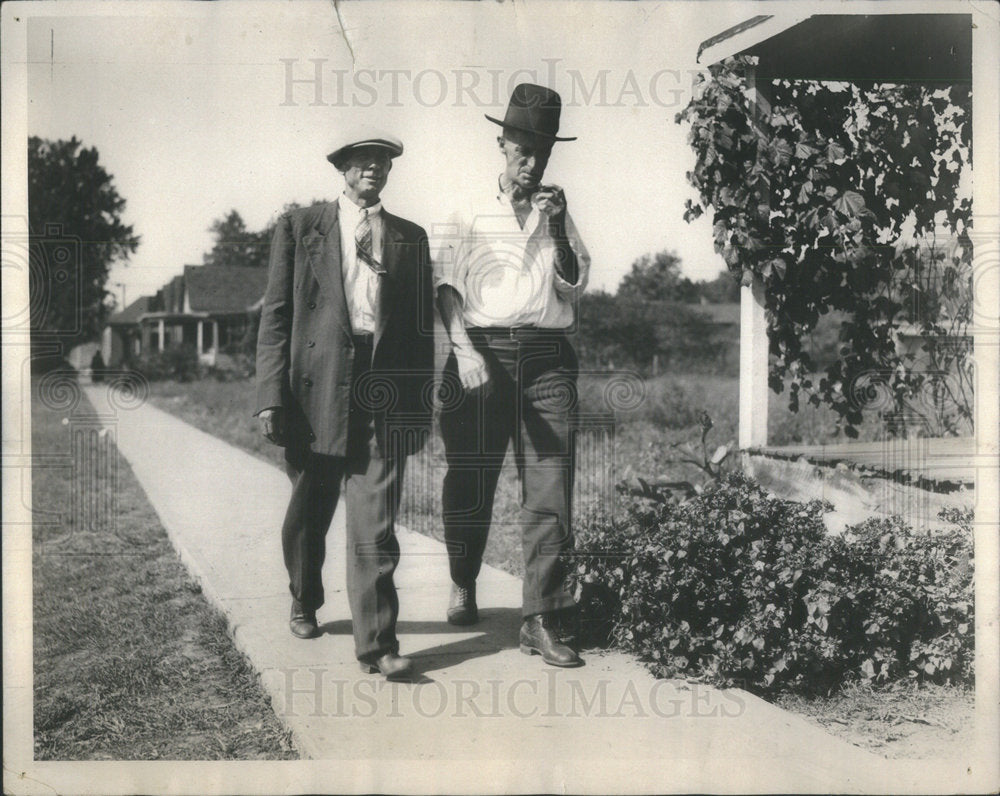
[(363, 237)]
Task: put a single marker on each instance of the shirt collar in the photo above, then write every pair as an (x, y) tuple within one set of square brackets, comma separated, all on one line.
[(503, 197), (347, 207)]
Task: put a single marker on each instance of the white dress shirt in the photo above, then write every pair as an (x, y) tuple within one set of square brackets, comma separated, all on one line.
[(506, 275), (360, 282)]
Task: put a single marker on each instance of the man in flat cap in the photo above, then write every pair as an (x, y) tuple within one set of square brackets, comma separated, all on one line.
[(507, 281), (344, 357)]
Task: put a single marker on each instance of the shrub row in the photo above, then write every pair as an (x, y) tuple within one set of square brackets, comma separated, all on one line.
[(739, 587), (181, 363)]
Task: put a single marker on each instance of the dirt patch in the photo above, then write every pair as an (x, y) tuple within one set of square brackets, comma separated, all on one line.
[(900, 721)]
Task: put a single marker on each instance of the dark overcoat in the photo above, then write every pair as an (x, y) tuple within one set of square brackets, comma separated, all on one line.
[(305, 350)]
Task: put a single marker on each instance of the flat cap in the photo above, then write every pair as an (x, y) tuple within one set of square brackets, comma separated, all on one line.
[(363, 136)]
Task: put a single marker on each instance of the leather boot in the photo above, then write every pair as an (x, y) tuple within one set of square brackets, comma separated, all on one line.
[(392, 666), (540, 636), (462, 609), (302, 622)]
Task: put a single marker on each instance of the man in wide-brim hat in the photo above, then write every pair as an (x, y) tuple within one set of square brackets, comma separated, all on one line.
[(345, 354), (507, 282)]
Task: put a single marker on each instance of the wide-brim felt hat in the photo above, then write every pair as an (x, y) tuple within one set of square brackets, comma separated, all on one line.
[(361, 137), (533, 109)]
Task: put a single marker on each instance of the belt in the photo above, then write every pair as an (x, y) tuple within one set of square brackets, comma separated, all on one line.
[(514, 332)]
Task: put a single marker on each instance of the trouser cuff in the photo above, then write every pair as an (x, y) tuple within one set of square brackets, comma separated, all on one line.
[(548, 605), (371, 657)]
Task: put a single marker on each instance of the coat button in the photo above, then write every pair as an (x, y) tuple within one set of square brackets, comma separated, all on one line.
[(312, 305), (311, 343), (307, 382)]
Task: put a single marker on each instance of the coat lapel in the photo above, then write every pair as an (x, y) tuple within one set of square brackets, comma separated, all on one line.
[(392, 279), (322, 244)]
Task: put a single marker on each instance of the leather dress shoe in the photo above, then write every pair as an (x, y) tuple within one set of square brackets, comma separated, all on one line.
[(392, 666), (303, 622), (462, 608), (540, 636)]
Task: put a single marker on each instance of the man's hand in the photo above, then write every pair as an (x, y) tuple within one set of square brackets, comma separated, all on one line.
[(272, 425), (550, 200), (472, 369)]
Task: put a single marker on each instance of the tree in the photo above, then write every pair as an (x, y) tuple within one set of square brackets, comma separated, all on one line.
[(724, 289), (75, 235), (236, 245), (657, 278), (817, 201), (596, 336), (239, 246)]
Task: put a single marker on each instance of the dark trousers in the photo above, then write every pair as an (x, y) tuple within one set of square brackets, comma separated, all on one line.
[(372, 486), (530, 402)]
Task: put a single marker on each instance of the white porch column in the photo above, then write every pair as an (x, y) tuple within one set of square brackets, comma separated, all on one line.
[(753, 366), (753, 324), (162, 330), (201, 336)]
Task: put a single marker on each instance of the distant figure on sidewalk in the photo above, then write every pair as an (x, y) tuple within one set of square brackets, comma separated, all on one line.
[(97, 367), (344, 356), (507, 281)]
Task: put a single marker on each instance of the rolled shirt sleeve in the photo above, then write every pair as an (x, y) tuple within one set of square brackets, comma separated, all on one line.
[(564, 288)]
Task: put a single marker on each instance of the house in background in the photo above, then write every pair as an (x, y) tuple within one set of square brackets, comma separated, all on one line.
[(208, 307), (120, 341)]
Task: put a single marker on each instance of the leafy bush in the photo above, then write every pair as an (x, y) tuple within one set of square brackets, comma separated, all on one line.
[(178, 362), (737, 586)]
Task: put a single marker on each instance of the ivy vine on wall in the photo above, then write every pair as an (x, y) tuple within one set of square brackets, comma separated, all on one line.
[(845, 197)]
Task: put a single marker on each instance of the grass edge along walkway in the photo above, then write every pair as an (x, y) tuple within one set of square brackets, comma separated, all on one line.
[(130, 659)]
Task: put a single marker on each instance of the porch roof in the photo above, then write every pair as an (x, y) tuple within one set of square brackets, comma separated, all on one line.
[(132, 313), (224, 288), (880, 48)]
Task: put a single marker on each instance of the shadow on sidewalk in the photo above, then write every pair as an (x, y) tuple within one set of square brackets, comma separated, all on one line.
[(497, 630)]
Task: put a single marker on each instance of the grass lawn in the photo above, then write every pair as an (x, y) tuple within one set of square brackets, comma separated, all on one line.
[(130, 661)]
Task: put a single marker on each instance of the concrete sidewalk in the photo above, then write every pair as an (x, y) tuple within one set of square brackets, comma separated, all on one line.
[(480, 707)]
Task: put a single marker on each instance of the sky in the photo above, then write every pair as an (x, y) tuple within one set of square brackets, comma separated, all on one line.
[(197, 109)]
